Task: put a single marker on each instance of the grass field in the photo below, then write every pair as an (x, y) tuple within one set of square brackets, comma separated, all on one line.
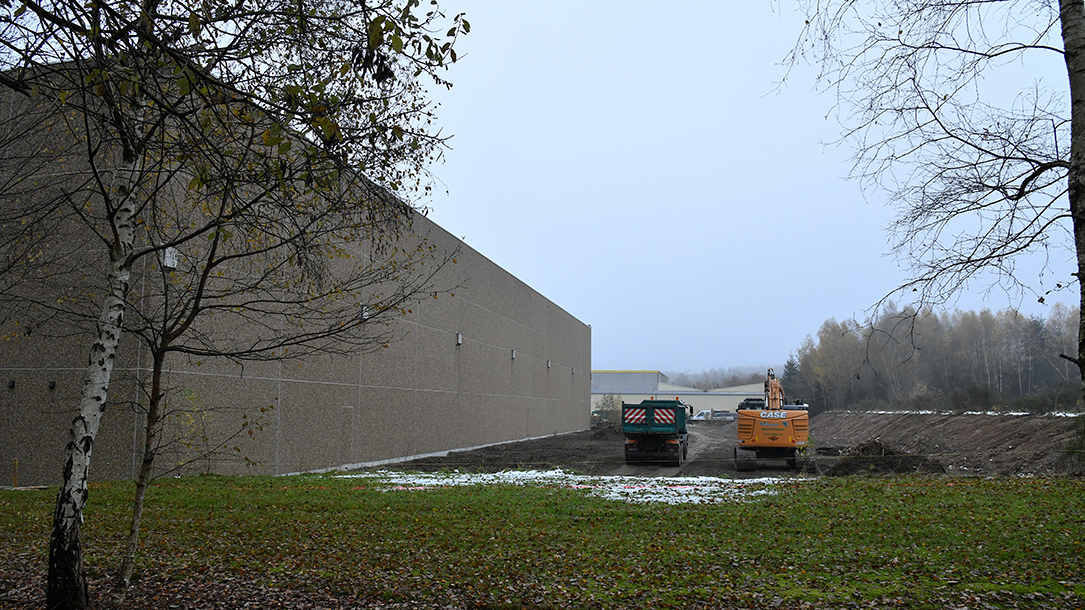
[(853, 542)]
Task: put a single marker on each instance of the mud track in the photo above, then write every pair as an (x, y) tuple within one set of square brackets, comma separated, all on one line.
[(963, 444)]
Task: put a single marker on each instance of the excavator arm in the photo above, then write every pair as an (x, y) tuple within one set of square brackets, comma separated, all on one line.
[(774, 392)]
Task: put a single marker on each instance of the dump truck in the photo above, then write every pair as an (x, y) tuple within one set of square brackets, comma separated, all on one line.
[(771, 429), (655, 431)]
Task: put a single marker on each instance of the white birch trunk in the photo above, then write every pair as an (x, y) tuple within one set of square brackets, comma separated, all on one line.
[(66, 588)]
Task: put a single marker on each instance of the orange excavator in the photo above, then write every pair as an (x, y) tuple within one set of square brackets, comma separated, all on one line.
[(771, 429)]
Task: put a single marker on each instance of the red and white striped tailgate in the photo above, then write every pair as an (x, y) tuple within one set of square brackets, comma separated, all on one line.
[(664, 416), (635, 416)]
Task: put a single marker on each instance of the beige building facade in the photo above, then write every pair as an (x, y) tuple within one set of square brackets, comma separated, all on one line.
[(487, 360), (496, 362)]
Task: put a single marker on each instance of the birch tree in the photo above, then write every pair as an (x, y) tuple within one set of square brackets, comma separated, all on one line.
[(983, 158), (252, 292), (257, 139), (960, 359)]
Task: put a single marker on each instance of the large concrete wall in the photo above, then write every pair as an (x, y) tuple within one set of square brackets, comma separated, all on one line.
[(422, 394)]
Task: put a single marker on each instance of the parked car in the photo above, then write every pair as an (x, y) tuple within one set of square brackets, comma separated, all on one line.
[(713, 415)]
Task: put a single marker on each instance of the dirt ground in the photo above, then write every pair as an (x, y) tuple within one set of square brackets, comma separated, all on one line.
[(955, 444)]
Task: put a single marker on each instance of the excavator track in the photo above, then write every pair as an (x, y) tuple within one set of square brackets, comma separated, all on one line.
[(745, 459)]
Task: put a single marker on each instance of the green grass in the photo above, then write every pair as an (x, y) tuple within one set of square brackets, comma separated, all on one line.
[(916, 542)]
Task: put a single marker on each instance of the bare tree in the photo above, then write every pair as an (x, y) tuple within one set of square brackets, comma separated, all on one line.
[(228, 297), (721, 377), (30, 226), (235, 137), (610, 406), (958, 359), (982, 158)]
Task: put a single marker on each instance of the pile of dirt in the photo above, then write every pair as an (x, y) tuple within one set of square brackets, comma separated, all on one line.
[(877, 457), (1001, 444), (606, 430)]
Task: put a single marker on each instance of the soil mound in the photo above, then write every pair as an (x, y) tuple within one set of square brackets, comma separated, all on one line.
[(1003, 444), (877, 457), (606, 430)]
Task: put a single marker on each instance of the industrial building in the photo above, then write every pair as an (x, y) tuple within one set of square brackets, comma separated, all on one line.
[(497, 362), (488, 362), (635, 386)]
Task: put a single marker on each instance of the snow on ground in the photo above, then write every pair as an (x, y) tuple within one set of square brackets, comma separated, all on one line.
[(674, 490)]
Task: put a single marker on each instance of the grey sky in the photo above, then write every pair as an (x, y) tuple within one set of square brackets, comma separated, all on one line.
[(633, 162)]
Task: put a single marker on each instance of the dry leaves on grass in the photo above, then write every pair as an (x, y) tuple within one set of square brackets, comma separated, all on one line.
[(211, 591)]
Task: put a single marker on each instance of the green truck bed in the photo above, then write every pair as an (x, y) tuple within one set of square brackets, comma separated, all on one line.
[(654, 417)]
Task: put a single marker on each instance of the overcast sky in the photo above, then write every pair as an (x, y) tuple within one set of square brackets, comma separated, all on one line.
[(635, 163)]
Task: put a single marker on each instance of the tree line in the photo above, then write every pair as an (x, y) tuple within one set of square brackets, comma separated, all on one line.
[(719, 377), (954, 360)]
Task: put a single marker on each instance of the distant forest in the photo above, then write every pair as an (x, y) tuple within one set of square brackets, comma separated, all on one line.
[(954, 361), (720, 377)]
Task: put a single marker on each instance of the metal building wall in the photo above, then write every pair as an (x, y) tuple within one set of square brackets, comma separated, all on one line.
[(423, 394)]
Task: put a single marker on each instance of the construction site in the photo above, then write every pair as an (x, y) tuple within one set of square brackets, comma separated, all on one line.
[(980, 444)]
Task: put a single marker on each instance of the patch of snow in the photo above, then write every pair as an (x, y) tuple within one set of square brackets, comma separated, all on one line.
[(672, 490)]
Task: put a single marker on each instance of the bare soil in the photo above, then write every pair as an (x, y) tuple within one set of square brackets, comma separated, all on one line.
[(965, 444), (844, 442)]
